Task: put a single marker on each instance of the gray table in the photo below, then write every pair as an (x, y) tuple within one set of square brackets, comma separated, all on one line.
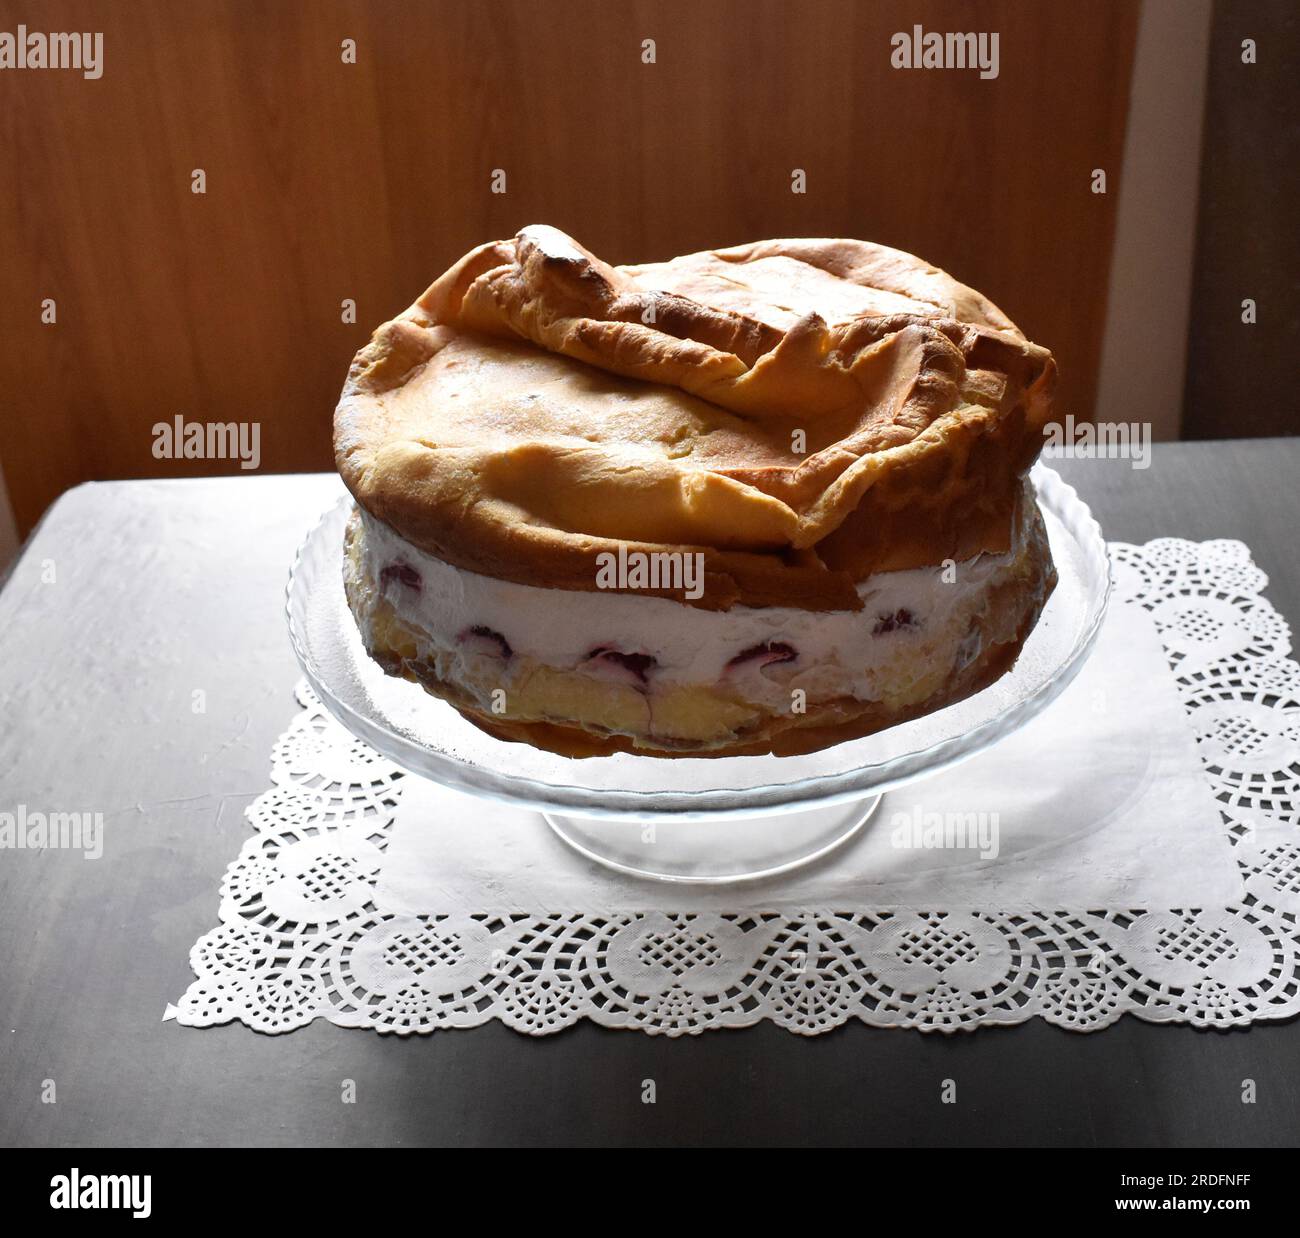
[(162, 588)]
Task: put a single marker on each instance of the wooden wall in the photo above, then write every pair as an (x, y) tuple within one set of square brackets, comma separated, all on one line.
[(327, 181), (1241, 376)]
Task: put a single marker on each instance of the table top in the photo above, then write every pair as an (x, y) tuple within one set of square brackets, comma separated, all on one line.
[(132, 596)]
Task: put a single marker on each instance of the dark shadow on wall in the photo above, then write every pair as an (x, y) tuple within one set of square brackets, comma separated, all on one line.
[(1241, 376)]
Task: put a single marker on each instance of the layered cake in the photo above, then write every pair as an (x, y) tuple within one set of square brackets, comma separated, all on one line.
[(751, 500)]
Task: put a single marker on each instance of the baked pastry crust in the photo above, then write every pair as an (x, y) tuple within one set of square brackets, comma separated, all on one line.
[(537, 407)]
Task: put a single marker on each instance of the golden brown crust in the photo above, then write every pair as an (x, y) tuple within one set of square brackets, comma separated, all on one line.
[(537, 407)]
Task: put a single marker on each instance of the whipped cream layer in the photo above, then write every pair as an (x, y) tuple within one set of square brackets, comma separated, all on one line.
[(916, 627)]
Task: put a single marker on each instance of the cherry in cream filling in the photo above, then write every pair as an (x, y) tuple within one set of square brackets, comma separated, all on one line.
[(618, 667), (402, 574), (484, 640)]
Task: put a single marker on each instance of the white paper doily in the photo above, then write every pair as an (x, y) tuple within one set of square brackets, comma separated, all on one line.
[(301, 936)]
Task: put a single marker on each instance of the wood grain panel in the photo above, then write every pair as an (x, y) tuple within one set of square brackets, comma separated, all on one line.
[(1240, 376), (327, 181)]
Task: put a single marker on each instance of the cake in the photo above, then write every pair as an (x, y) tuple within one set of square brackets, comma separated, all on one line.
[(752, 500)]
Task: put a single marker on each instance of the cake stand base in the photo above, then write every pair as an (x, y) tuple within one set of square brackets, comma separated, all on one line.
[(714, 851)]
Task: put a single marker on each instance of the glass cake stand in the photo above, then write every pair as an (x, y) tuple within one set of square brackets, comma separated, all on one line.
[(714, 820)]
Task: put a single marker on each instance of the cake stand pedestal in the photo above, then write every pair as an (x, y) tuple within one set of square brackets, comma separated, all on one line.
[(714, 851)]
